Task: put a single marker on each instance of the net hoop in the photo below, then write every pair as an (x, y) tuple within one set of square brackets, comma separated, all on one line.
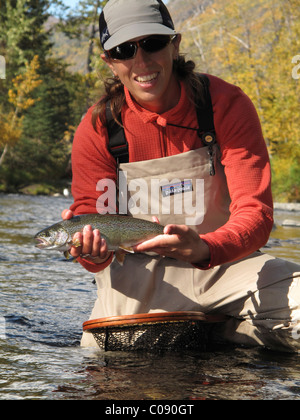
[(159, 317)]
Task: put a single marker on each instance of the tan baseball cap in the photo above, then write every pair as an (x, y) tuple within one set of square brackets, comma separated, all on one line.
[(123, 20)]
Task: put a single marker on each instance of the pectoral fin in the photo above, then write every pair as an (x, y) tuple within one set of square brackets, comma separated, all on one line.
[(67, 255), (120, 256), (127, 249), (121, 252)]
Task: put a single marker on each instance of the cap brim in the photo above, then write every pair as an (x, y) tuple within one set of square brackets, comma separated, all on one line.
[(125, 34)]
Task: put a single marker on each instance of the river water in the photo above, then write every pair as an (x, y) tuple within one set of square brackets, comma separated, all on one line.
[(44, 299)]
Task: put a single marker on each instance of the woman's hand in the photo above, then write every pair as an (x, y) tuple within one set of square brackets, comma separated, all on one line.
[(179, 242), (93, 247)]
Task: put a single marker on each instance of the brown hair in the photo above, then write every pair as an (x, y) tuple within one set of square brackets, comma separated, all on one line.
[(114, 90)]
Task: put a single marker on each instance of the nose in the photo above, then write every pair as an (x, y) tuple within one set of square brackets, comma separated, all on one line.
[(142, 58)]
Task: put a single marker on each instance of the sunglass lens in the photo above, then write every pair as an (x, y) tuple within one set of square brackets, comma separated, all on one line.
[(128, 50), (155, 43), (123, 51)]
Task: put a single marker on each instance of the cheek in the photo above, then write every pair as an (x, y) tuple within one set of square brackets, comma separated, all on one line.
[(120, 70), (166, 61)]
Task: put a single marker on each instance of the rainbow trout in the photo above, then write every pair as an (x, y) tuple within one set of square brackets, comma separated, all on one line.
[(119, 232)]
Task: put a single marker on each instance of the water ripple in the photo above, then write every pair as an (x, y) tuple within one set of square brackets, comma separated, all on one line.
[(44, 300)]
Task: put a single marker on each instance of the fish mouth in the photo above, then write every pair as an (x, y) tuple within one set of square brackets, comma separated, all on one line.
[(41, 243)]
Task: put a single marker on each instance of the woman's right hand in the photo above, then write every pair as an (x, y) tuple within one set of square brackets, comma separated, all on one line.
[(93, 248)]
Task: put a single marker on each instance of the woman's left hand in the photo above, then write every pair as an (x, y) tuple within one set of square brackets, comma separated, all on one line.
[(179, 242)]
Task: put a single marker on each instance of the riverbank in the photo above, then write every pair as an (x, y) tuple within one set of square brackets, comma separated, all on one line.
[(60, 188), (46, 189), (287, 206), (292, 210)]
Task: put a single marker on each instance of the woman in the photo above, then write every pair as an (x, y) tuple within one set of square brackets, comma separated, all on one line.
[(207, 259)]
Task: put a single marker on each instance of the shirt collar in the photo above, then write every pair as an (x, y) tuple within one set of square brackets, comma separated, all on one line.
[(172, 116)]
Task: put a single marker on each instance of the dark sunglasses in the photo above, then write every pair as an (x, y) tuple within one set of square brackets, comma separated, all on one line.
[(151, 44)]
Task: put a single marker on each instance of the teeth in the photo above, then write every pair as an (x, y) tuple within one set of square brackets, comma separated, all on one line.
[(146, 78)]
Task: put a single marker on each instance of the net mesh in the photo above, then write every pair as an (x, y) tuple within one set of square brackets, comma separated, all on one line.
[(156, 336)]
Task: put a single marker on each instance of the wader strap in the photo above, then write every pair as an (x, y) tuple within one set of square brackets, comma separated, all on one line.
[(118, 145), (205, 115)]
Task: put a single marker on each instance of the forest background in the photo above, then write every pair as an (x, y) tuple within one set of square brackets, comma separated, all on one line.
[(50, 72)]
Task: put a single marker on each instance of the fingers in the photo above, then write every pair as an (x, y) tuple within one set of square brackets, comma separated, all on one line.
[(96, 244), (99, 245), (153, 245), (172, 237), (76, 251), (67, 214), (92, 245), (179, 242), (88, 240)]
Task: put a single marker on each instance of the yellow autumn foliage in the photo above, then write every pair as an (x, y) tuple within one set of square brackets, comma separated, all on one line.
[(19, 96), (10, 133), (253, 44), (23, 85)]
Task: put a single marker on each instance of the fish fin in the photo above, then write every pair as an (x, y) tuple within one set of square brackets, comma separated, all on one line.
[(120, 256), (67, 255), (127, 249), (69, 258), (121, 252)]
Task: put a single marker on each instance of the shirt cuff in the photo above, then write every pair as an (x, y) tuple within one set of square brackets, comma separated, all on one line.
[(93, 267), (207, 264)]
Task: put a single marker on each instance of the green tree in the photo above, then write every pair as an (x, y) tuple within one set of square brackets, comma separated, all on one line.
[(42, 151), (82, 23)]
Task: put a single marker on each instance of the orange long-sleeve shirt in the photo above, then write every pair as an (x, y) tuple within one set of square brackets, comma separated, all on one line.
[(244, 157)]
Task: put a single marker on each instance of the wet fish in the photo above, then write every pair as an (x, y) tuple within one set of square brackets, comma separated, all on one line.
[(120, 232)]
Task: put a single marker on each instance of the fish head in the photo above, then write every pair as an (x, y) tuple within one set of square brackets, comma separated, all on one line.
[(54, 237)]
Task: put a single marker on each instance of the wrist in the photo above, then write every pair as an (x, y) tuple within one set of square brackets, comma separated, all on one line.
[(95, 260), (203, 254)]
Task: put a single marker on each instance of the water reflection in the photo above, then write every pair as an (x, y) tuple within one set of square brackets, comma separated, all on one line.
[(285, 241)]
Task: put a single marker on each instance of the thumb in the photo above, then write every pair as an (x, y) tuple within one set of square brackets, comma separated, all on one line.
[(175, 230), (67, 214), (155, 220)]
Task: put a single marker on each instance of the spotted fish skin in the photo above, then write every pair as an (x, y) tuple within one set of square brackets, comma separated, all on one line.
[(118, 231)]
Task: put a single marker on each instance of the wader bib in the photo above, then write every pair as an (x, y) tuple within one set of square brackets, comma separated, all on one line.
[(260, 293)]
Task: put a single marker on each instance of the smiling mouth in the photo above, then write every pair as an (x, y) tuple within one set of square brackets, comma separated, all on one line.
[(147, 78)]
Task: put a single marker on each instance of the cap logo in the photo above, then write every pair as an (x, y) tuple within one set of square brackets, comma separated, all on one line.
[(104, 36)]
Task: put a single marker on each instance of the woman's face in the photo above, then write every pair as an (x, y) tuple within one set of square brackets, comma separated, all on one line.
[(149, 77)]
